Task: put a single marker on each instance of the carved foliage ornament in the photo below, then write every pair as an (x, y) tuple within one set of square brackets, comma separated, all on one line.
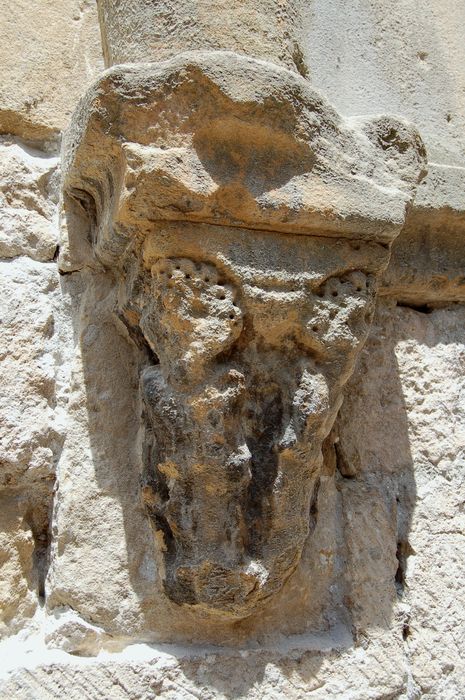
[(246, 224)]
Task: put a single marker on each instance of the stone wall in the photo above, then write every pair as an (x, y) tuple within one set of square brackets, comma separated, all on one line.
[(368, 484)]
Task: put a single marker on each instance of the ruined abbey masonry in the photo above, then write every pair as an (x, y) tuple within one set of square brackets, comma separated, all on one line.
[(232, 350)]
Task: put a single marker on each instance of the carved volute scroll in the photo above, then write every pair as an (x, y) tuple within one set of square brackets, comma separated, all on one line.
[(246, 224)]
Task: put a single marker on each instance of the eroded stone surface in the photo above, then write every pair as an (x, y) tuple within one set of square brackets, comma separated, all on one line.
[(250, 674), (426, 266), (383, 558), (245, 392), (396, 471), (410, 63), (215, 201), (28, 197), (269, 30), (219, 138), (31, 438), (404, 459), (49, 50), (18, 599)]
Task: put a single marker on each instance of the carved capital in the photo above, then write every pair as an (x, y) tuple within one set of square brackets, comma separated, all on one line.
[(246, 224)]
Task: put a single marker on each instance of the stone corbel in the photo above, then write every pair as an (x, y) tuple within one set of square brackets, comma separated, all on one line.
[(247, 225)]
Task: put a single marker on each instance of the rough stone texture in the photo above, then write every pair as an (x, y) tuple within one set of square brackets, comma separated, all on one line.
[(28, 197), (374, 606), (211, 674), (248, 336), (403, 61), (100, 532), (30, 441), (399, 447), (30, 351), (218, 138), (400, 480), (270, 29), (50, 50), (427, 263), (411, 64), (17, 600)]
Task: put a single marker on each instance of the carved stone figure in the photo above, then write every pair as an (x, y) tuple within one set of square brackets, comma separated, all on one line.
[(246, 225)]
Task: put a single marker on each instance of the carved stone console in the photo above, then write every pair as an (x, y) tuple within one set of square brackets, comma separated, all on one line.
[(246, 225)]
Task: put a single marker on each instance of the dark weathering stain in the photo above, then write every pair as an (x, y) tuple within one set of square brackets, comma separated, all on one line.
[(264, 429)]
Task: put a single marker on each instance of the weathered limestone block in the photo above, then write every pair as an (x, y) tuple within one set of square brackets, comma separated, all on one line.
[(362, 674), (200, 138), (238, 444), (28, 198), (245, 224), (50, 50), (31, 438), (100, 559), (67, 631), (427, 262), (18, 594), (413, 64), (145, 31), (401, 481), (400, 59), (27, 370), (226, 235), (434, 555), (401, 437)]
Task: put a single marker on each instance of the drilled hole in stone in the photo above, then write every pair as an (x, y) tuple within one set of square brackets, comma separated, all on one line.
[(188, 277), (231, 316), (207, 279), (222, 297), (359, 289), (315, 329), (178, 267), (335, 294)]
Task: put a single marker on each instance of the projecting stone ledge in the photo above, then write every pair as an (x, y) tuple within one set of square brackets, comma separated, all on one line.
[(220, 138), (245, 225)]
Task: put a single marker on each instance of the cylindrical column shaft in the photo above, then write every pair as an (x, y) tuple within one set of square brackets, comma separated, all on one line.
[(153, 30)]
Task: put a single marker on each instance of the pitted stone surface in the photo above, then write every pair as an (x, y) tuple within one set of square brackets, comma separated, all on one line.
[(31, 439), (49, 50), (195, 196), (28, 196), (218, 138), (270, 30), (172, 473)]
